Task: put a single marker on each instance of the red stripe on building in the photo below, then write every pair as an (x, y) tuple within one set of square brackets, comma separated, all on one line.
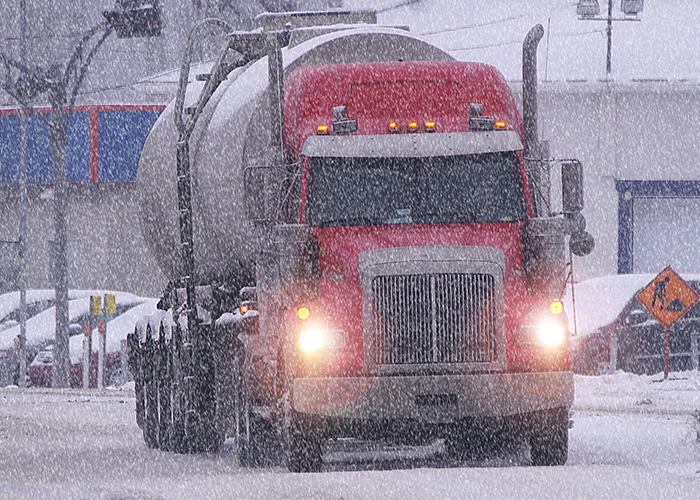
[(94, 144)]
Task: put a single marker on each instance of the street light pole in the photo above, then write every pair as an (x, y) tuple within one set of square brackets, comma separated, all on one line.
[(590, 15)]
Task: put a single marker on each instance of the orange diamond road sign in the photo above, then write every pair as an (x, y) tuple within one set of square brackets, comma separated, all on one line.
[(668, 297)]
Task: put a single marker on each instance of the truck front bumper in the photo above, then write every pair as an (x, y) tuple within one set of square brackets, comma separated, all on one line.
[(433, 398)]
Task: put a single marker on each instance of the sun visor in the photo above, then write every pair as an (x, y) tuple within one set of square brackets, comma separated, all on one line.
[(411, 145)]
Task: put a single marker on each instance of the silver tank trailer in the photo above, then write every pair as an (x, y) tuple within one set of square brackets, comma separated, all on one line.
[(232, 134)]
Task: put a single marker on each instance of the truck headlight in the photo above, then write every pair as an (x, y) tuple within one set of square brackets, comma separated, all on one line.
[(551, 333), (311, 340)]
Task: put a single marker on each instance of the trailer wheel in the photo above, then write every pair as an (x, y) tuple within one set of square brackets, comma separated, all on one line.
[(549, 445), (150, 392), (193, 390), (164, 393), (133, 353)]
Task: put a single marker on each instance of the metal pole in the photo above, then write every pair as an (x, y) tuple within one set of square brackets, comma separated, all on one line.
[(608, 67), (58, 138), (695, 363), (666, 353), (22, 382)]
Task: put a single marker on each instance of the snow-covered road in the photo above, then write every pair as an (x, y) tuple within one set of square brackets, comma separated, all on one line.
[(633, 437)]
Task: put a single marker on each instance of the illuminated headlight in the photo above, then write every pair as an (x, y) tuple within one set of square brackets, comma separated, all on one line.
[(311, 340), (551, 333)]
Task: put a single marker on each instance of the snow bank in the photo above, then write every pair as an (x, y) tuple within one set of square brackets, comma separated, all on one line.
[(625, 392)]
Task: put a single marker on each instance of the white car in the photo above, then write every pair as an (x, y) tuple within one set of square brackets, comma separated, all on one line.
[(41, 325)]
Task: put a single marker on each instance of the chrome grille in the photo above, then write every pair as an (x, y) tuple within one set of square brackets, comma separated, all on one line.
[(435, 318)]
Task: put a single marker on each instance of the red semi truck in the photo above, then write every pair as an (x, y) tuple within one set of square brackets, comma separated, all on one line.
[(380, 209)]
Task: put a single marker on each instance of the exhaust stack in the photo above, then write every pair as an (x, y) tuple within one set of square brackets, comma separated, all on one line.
[(532, 150)]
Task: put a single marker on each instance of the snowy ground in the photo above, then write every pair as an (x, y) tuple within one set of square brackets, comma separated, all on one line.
[(633, 437)]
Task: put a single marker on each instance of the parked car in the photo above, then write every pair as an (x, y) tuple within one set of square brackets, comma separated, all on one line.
[(41, 327), (618, 333)]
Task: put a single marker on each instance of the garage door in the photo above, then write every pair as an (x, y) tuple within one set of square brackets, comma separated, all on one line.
[(666, 231), (658, 225)]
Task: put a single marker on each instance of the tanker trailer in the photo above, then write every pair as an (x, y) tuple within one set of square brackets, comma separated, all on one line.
[(344, 214)]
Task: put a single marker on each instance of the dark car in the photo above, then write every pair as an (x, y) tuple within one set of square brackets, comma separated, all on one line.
[(634, 342)]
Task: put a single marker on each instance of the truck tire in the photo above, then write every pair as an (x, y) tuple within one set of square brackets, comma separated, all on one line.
[(549, 444), (164, 392), (304, 445), (133, 352), (193, 391), (151, 420), (467, 445), (257, 440)]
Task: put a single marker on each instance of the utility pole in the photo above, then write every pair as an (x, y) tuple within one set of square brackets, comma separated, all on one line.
[(22, 382)]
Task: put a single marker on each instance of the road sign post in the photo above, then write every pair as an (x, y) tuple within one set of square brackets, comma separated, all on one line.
[(87, 354), (667, 298)]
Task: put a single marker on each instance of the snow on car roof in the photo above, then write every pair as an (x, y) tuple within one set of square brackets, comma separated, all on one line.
[(600, 300), (41, 327)]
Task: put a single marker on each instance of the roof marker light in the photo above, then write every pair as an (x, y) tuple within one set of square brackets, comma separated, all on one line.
[(412, 126), (394, 127), (499, 125), (322, 129), (429, 126)]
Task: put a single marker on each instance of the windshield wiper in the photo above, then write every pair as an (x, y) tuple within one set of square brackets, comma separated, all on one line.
[(352, 221), (446, 218)]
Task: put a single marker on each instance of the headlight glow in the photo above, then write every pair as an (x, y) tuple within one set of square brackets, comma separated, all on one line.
[(311, 340), (551, 333)]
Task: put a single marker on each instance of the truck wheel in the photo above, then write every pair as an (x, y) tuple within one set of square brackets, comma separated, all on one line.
[(549, 445), (150, 390), (163, 381), (257, 440), (304, 446), (193, 390), (467, 446), (135, 368)]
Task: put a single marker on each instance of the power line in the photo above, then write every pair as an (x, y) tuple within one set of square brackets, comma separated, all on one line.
[(472, 26), (513, 42), (490, 23), (402, 4)]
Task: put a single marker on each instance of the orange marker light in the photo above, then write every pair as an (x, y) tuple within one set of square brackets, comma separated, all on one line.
[(500, 124), (556, 307), (429, 126), (393, 127), (322, 130), (303, 313), (412, 126), (244, 309)]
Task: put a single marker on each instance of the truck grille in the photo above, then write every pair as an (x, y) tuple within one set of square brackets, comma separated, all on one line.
[(435, 318)]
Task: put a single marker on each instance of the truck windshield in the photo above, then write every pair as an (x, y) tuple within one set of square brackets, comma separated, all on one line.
[(479, 188)]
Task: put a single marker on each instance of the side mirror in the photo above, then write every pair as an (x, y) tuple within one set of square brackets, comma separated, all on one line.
[(572, 187), (581, 243)]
